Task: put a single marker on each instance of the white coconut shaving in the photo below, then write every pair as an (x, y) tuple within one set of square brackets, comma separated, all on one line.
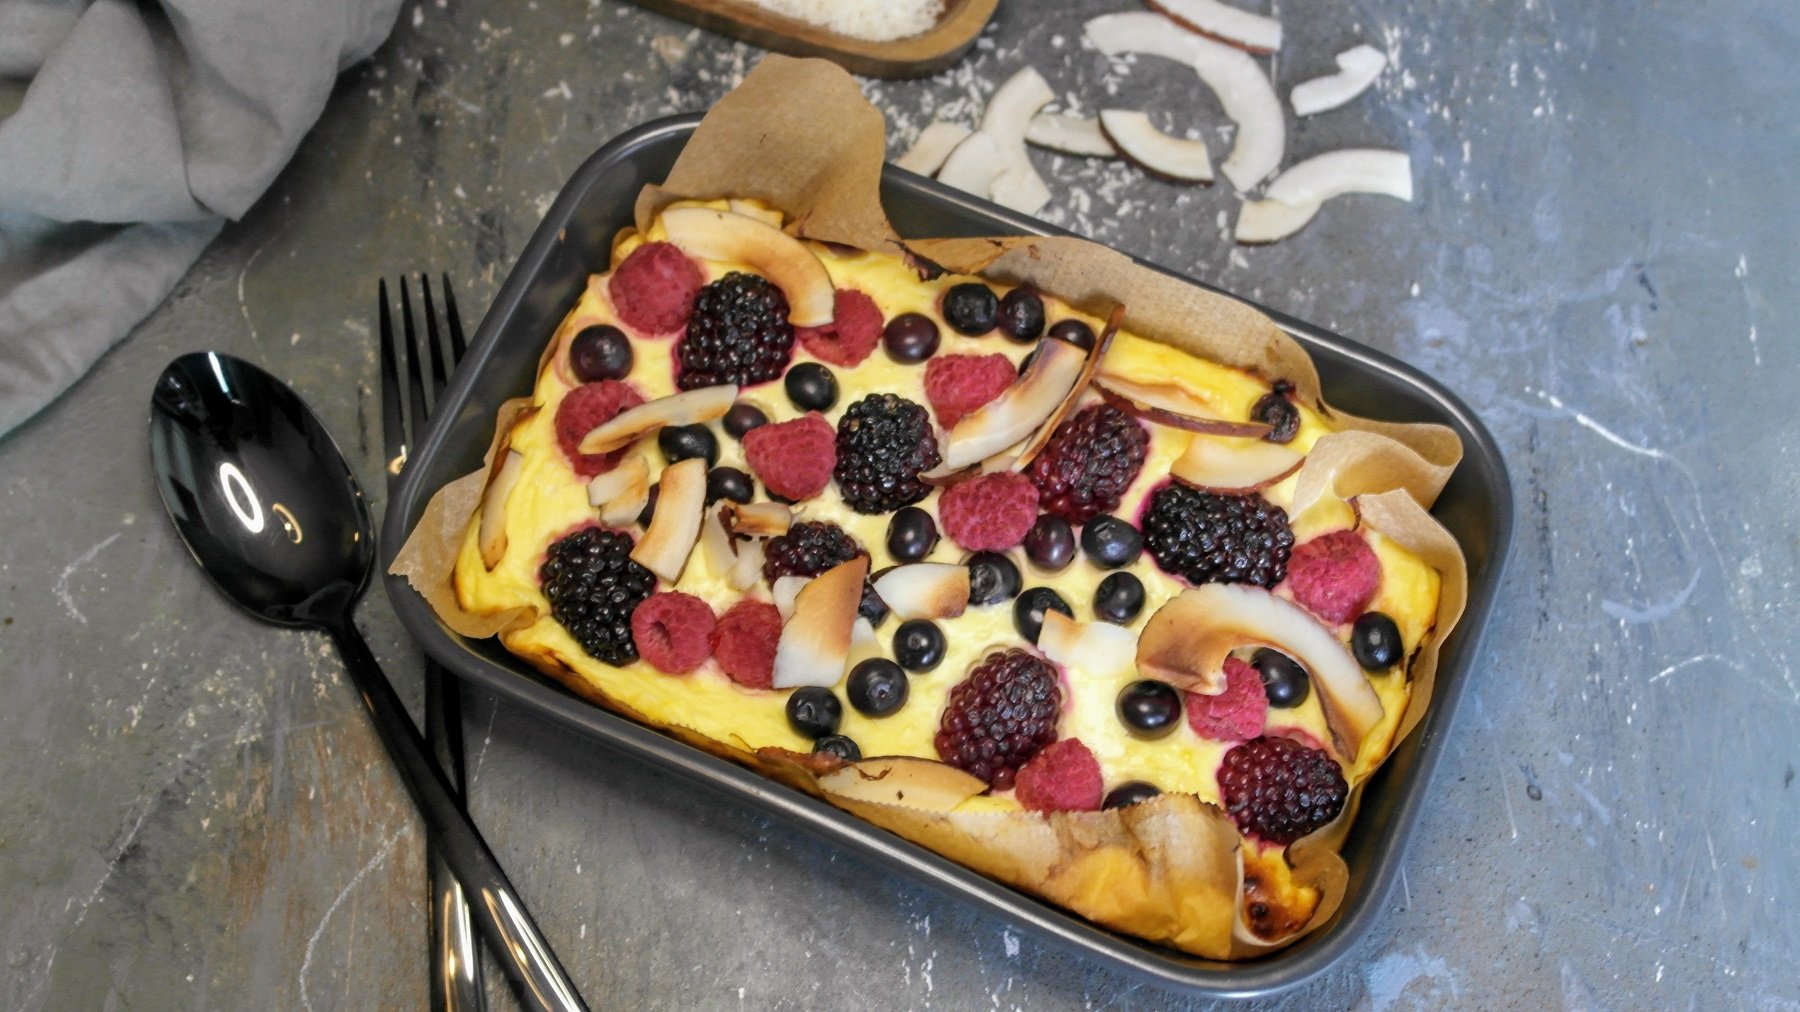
[(870, 20)]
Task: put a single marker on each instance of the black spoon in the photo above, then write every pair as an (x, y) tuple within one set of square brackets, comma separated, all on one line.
[(275, 518)]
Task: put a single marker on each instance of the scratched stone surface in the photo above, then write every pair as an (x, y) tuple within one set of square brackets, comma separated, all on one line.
[(1600, 260)]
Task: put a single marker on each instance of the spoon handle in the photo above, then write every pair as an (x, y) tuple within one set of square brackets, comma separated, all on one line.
[(538, 978)]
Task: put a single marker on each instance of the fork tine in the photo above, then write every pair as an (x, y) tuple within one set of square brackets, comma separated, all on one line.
[(393, 435), (415, 381), (432, 342), (457, 347)]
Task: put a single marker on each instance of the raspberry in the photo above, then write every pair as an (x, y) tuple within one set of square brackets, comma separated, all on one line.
[(1204, 537), (1279, 789), (808, 549), (1000, 716), (794, 459), (883, 442), (744, 643), (1334, 576), (991, 513), (738, 333), (958, 384), (581, 412), (1235, 714), (1062, 778), (653, 289), (593, 587), (1088, 463), (672, 631), (852, 334)]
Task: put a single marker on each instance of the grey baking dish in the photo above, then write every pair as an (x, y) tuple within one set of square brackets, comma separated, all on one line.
[(574, 240)]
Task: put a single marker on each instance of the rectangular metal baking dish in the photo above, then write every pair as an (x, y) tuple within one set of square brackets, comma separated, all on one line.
[(574, 240)]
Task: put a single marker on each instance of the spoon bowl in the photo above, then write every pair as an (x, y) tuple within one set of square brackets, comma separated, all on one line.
[(265, 502)]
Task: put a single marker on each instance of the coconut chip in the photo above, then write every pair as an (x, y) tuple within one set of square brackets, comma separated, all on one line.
[(934, 145), (1296, 195), (1357, 69), (1173, 158), (1069, 134), (1254, 32)]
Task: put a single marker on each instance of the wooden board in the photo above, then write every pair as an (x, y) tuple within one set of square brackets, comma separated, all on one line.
[(917, 56)]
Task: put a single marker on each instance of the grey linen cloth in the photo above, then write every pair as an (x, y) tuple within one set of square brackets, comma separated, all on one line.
[(143, 127)]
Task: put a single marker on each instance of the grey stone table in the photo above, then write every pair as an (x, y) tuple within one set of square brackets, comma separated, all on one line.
[(1601, 260)]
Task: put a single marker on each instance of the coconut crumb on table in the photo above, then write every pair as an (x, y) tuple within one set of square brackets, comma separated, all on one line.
[(871, 20)]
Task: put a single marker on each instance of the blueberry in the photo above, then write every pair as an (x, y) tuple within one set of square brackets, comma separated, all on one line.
[(1130, 793), (1029, 610), (838, 745), (649, 510), (910, 337), (1149, 708), (811, 387), (743, 417), (872, 607), (1050, 544), (877, 687), (814, 712), (1277, 412), (1110, 542), (1074, 332), (992, 578), (1284, 680), (601, 352), (728, 483), (911, 534), (1375, 640), (1119, 598), (919, 645), (971, 308), (1022, 314), (687, 442)]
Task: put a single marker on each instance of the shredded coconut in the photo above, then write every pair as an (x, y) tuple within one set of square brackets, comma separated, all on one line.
[(873, 20)]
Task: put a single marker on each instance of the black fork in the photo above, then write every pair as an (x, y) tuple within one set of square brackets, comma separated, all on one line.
[(455, 963)]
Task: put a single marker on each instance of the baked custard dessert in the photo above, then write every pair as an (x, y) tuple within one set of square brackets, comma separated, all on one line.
[(1059, 601)]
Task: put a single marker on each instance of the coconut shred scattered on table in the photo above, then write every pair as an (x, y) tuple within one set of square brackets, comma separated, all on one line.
[(1221, 44), (872, 20)]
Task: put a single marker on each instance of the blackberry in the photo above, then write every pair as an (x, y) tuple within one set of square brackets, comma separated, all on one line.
[(1279, 789), (593, 587), (808, 549), (1000, 716), (738, 333), (1208, 538), (883, 442), (1088, 463)]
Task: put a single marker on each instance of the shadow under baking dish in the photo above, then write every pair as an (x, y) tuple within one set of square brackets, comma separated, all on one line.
[(575, 240)]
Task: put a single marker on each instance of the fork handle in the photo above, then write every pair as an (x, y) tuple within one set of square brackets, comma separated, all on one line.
[(540, 980)]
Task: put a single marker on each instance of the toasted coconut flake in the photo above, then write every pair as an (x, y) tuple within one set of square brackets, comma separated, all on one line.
[(491, 535), (1234, 465), (666, 545), (1297, 194), (925, 590), (1093, 648), (1173, 158), (815, 641), (903, 780), (1239, 27), (783, 259), (630, 473), (1358, 67), (1101, 344), (1071, 135), (934, 145), (757, 519), (769, 216), (973, 166), (716, 545), (1171, 406), (1244, 90), (1017, 413), (1185, 643), (786, 591), (1005, 119), (749, 566), (633, 424)]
